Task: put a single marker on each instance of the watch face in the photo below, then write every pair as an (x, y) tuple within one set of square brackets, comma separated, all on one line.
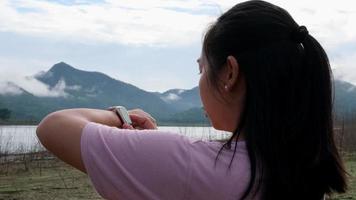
[(125, 115)]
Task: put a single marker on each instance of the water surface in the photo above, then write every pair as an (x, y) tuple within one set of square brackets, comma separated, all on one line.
[(20, 139)]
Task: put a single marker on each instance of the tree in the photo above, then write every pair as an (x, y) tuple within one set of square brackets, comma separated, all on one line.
[(5, 113)]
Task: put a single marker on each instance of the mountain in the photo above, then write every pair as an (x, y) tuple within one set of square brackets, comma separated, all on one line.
[(193, 115), (95, 89), (71, 88), (23, 106), (181, 99), (345, 99)]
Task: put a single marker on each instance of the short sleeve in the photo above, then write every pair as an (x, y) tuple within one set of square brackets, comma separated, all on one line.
[(135, 164)]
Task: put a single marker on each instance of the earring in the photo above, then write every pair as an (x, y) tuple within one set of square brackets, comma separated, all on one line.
[(225, 87)]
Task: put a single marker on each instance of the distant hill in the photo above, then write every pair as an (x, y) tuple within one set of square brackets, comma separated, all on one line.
[(182, 99), (78, 88), (345, 98), (93, 90), (192, 115)]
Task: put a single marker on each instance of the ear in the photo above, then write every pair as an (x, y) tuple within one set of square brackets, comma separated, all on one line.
[(232, 73)]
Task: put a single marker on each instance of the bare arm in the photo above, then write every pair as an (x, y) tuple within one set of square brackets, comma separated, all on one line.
[(60, 131)]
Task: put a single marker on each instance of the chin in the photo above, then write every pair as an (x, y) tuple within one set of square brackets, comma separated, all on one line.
[(216, 126), (220, 128)]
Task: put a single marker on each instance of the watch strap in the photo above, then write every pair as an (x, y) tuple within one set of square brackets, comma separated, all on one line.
[(120, 112)]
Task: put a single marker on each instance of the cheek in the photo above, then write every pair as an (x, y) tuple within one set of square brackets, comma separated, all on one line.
[(204, 94), (209, 102), (202, 90)]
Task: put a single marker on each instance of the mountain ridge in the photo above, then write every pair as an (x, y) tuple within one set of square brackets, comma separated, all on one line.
[(89, 89), (79, 88)]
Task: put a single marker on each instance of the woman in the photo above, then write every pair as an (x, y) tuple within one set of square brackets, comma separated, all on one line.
[(265, 79)]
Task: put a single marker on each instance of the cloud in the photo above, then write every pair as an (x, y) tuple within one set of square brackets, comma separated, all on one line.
[(16, 84), (180, 91), (152, 23), (14, 79), (345, 68), (135, 23), (159, 22), (75, 2), (37, 88), (7, 88), (171, 97), (74, 87)]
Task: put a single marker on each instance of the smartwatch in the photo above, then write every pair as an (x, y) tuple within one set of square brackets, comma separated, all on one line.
[(122, 114)]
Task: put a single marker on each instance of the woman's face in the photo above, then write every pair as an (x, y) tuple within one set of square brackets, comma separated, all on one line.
[(223, 111), (208, 94)]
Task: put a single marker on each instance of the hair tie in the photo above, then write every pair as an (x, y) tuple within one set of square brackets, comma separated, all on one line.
[(299, 34)]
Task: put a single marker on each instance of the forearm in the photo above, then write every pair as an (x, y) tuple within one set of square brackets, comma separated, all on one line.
[(91, 115), (60, 131)]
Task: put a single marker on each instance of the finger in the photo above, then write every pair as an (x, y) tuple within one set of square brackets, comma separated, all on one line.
[(152, 119), (142, 113), (143, 122), (127, 126), (139, 118)]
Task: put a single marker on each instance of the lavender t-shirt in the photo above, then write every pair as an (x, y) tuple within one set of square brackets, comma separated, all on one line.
[(152, 164)]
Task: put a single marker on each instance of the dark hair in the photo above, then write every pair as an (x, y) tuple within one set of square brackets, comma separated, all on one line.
[(287, 118)]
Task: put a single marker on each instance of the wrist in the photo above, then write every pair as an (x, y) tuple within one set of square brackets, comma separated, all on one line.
[(122, 114), (116, 120)]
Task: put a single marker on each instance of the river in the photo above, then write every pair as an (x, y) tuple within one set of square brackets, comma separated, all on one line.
[(22, 139)]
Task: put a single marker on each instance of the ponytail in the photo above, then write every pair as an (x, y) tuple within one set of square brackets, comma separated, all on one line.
[(331, 169)]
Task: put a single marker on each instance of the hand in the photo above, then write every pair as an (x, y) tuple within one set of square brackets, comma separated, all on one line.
[(140, 120)]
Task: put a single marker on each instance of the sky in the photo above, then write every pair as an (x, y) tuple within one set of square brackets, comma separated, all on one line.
[(152, 44)]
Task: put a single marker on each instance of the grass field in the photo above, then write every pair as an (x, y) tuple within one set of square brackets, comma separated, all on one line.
[(44, 179), (50, 179)]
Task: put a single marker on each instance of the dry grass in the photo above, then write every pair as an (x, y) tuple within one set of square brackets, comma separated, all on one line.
[(43, 179)]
